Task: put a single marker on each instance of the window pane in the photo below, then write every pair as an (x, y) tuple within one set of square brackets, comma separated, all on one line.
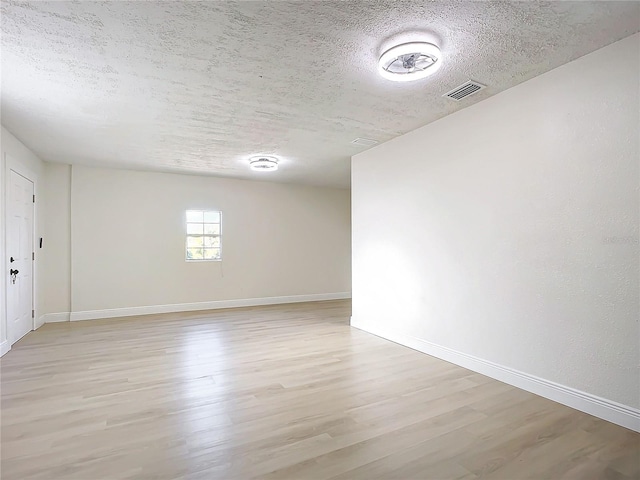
[(203, 235), (212, 229), (211, 241), (194, 228), (212, 253), (194, 242), (194, 254), (194, 216), (212, 217)]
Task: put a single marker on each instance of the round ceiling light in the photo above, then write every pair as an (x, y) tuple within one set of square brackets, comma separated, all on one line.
[(262, 163), (410, 61)]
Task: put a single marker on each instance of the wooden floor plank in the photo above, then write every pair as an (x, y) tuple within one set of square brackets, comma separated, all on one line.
[(283, 391)]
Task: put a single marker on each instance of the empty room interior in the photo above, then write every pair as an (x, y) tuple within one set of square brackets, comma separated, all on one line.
[(320, 240)]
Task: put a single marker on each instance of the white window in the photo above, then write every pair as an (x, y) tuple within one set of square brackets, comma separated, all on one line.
[(203, 235)]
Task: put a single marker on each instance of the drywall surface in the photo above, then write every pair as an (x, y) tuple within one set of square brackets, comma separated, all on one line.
[(3, 253), (57, 238), (508, 231), (128, 239), (16, 155)]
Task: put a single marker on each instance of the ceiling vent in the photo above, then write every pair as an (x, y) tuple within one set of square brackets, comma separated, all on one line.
[(364, 142), (464, 90)]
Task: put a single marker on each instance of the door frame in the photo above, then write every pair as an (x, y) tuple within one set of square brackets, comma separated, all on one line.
[(19, 168)]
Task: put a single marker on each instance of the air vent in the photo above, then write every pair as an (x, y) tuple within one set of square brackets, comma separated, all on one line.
[(364, 142), (464, 90)]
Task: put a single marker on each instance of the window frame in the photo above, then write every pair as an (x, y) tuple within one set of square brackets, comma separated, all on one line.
[(203, 235)]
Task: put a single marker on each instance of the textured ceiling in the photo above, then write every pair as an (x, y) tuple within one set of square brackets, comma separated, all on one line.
[(198, 87)]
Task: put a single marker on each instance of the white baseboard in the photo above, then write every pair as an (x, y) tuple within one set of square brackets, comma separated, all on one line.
[(40, 321), (213, 305), (609, 410), (4, 347), (56, 317)]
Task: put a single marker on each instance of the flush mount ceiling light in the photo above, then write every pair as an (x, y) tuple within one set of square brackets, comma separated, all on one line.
[(263, 163), (410, 61), (364, 142)]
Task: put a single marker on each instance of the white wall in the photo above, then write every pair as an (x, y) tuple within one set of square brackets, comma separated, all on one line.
[(127, 238), (24, 160), (4, 344), (57, 239), (508, 232)]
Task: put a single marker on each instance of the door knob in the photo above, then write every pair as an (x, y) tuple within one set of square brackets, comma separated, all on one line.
[(13, 272)]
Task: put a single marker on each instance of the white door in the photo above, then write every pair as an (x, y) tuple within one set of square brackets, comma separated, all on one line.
[(20, 251)]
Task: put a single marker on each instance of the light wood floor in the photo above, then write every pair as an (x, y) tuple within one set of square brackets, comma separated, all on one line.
[(277, 392)]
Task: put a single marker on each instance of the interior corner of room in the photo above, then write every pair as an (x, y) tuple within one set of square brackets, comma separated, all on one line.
[(113, 241)]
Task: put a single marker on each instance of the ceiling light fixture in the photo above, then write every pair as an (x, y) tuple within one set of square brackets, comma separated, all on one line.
[(364, 142), (263, 163), (410, 61)]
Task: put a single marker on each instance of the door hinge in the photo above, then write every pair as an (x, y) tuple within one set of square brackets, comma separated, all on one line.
[(33, 255), (34, 199), (33, 314)]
